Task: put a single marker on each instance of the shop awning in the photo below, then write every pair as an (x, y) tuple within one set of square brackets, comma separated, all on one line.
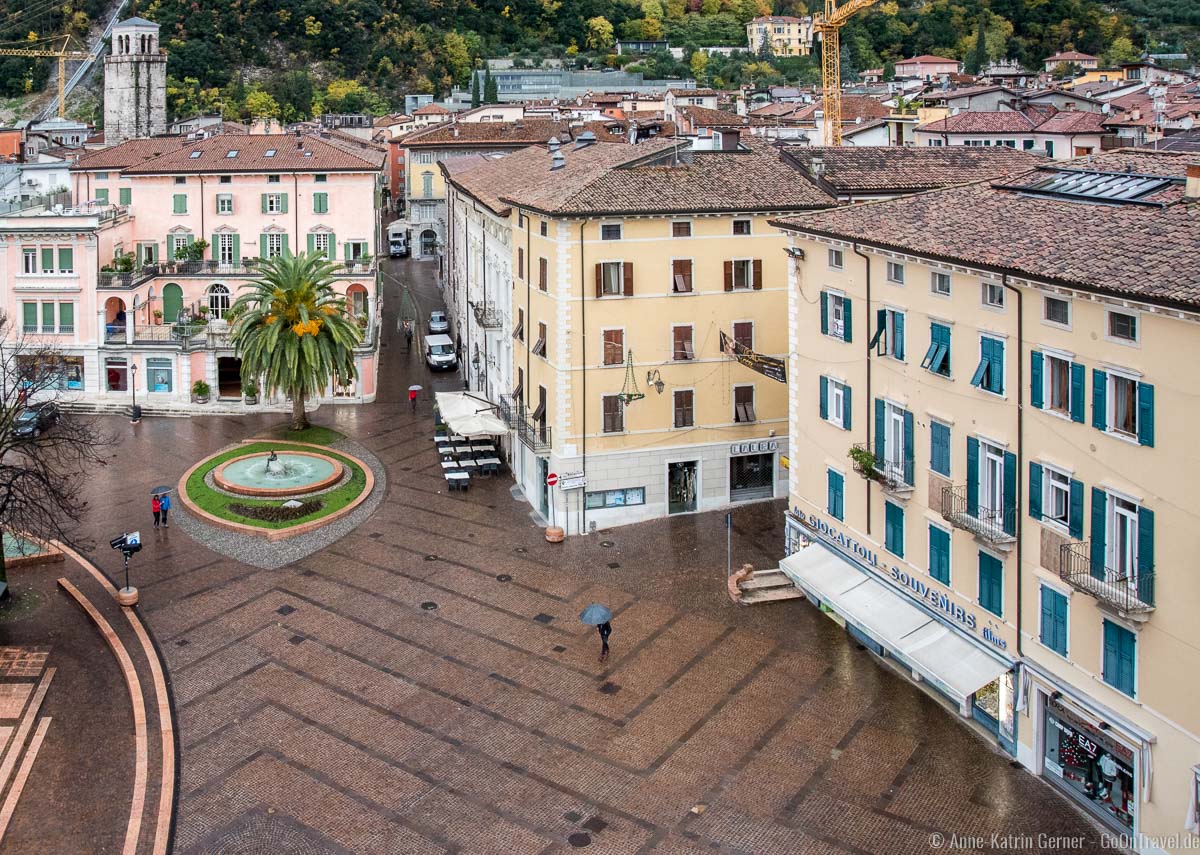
[(468, 415), (936, 652)]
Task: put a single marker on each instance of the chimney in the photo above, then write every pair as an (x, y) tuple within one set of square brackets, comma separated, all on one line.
[(730, 139), (557, 160), (817, 165), (1191, 189)]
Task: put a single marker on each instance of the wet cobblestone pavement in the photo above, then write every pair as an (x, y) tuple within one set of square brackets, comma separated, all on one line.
[(327, 707)]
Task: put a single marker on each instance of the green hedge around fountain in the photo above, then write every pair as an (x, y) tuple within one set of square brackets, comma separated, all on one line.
[(221, 504)]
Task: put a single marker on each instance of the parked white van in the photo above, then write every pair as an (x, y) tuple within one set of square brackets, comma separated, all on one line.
[(439, 352)]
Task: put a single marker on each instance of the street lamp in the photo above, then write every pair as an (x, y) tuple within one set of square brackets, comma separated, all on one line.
[(135, 412)]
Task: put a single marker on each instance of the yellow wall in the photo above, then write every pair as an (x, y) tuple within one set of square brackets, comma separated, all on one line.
[(415, 171)]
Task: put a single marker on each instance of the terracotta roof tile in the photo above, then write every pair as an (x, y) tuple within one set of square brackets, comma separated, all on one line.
[(878, 169), (127, 154), (291, 153), (985, 122), (467, 134)]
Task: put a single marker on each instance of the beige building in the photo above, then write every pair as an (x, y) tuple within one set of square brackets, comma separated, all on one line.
[(987, 487), (783, 35)]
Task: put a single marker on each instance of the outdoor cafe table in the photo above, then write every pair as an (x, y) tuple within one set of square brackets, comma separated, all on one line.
[(462, 449), (458, 480), (483, 446), (449, 464)]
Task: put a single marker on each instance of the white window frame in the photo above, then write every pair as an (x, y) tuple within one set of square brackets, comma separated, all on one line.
[(989, 289), (274, 203), (895, 272), (620, 266), (1064, 325), (691, 229), (1048, 382), (840, 254), (618, 226), (837, 315), (28, 256), (893, 440), (1110, 404), (889, 331), (224, 209), (1049, 487), (216, 310), (749, 227), (934, 280), (1113, 554), (274, 244), (321, 242), (674, 392), (991, 482), (620, 363), (835, 402), (225, 249), (748, 266), (1137, 327)]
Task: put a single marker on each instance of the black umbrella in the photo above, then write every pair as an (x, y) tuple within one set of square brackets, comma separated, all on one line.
[(158, 491)]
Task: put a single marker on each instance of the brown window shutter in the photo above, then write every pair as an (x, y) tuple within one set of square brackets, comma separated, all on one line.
[(627, 275), (758, 274), (728, 275), (520, 262), (599, 280)]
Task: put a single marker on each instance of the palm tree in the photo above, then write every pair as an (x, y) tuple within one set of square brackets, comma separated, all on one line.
[(293, 330)]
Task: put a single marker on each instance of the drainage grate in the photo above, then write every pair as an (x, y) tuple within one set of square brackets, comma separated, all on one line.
[(429, 605), (284, 610), (571, 816), (613, 565), (595, 825), (543, 618), (296, 639), (503, 577), (607, 544), (558, 648), (609, 688), (580, 839)]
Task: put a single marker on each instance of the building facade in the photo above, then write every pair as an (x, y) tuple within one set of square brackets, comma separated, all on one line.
[(985, 500), (780, 35), (135, 83)]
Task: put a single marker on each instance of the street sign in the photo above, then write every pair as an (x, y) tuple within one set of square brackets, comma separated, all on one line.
[(551, 479), (134, 538), (572, 481), (117, 542)]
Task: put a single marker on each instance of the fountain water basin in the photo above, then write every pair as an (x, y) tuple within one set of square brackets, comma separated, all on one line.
[(278, 474)]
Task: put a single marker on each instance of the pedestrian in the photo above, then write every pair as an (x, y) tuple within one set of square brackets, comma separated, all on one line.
[(605, 630), (156, 507), (164, 502), (412, 399)]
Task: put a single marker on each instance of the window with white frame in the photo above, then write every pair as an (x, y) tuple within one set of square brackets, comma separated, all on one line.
[(225, 249), (743, 273), (1056, 496), (423, 157), (1122, 540), (321, 243), (612, 282), (1056, 311), (895, 272), (29, 261), (993, 295), (837, 259), (895, 452), (1122, 326), (1123, 404), (837, 316), (274, 245), (991, 483), (274, 203), (218, 300), (224, 203), (836, 403), (939, 283)]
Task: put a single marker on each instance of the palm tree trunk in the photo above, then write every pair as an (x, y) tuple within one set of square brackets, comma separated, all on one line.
[(299, 417)]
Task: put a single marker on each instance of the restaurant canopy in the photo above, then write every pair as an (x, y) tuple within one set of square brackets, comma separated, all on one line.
[(469, 416)]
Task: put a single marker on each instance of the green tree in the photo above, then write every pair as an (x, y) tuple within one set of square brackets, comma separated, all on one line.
[(1121, 50), (491, 94), (456, 55), (293, 330), (599, 33), (260, 104), (475, 102), (979, 54)]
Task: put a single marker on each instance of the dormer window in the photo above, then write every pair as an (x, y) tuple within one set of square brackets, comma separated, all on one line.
[(269, 153)]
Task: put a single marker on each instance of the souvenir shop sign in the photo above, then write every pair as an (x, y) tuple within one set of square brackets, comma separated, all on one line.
[(768, 366)]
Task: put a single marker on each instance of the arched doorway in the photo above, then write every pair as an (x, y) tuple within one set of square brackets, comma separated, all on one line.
[(172, 299), (114, 318), (428, 242), (218, 301), (357, 301)]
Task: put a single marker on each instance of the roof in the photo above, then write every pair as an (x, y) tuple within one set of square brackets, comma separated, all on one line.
[(854, 108), (602, 128), (253, 153), (471, 134), (777, 19), (885, 169), (1068, 55), (483, 176), (1073, 122), (136, 22), (926, 58), (431, 110), (1141, 251), (704, 117), (658, 177), (127, 154), (1186, 141), (695, 93), (985, 122)]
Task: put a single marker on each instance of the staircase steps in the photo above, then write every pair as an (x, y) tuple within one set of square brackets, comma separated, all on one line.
[(769, 586)]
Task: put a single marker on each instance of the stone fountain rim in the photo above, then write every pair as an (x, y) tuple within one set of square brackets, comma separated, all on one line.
[(277, 492)]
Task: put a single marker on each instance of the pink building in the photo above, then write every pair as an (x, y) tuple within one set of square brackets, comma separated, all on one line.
[(1085, 61), (122, 282), (927, 67)]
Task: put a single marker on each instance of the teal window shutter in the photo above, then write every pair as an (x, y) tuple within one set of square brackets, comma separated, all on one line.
[(125, 195), (836, 493), (939, 442), (996, 375), (991, 584), (47, 260), (981, 370), (1035, 379), (894, 529), (1077, 392), (824, 405), (1099, 404), (937, 358), (262, 246), (898, 336), (1010, 499), (29, 316), (283, 245), (908, 447), (264, 202), (283, 203), (1145, 556), (1120, 658), (312, 243), (939, 554), (880, 328), (972, 476), (179, 203), (824, 313), (66, 316), (879, 428), (102, 197), (846, 316), (47, 317), (1035, 490), (1099, 526), (1054, 620), (1075, 510), (1145, 404), (66, 258), (237, 249), (215, 251), (846, 408)]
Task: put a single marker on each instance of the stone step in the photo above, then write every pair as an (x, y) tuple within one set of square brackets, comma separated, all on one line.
[(772, 595), (766, 579)]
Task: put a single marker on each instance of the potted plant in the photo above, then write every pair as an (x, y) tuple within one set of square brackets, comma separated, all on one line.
[(200, 392), (250, 391), (863, 460), (158, 316)]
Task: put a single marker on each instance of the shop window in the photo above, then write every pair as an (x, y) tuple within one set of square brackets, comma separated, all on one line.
[(685, 408), (1084, 761), (158, 375), (600, 499), (614, 347), (751, 477), (1053, 628)]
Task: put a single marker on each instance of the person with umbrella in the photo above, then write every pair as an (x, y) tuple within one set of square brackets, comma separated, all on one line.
[(412, 396), (160, 504), (164, 504), (600, 617)]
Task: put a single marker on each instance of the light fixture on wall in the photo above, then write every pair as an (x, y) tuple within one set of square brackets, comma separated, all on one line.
[(653, 378)]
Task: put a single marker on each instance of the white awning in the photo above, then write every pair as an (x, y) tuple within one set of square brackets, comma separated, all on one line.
[(469, 416), (936, 652)]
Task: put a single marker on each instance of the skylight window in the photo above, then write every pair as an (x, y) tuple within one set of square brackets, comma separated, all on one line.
[(233, 152), (195, 154), (1100, 186), (269, 153)]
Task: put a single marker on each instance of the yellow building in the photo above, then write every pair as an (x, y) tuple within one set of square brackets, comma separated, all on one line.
[(630, 263), (782, 35), (992, 480)]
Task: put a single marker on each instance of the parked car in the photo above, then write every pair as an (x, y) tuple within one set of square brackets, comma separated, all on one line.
[(36, 419), (438, 322), (439, 352)]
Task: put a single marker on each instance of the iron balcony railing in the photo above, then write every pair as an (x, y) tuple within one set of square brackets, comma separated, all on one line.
[(535, 436), (487, 315), (996, 525), (247, 267), (890, 474), (1129, 593)]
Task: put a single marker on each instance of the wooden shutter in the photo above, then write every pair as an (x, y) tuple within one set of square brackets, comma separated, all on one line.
[(728, 275), (627, 277), (1099, 399), (1035, 379), (520, 262), (1145, 409), (1099, 527), (599, 280), (758, 274), (543, 273)]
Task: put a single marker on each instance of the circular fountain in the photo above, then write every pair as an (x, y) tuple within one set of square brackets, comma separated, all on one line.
[(278, 474)]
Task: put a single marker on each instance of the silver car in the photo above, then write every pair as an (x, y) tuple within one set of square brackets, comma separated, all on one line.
[(438, 323)]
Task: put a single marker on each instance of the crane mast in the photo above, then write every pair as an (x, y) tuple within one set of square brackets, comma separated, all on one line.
[(62, 55), (829, 25)]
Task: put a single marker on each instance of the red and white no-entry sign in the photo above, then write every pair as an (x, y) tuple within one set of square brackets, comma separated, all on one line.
[(551, 479)]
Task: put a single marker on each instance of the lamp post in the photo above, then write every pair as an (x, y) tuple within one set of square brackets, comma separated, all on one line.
[(135, 412)]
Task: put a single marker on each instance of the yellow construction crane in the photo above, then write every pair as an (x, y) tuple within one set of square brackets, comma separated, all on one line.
[(62, 54), (828, 25)]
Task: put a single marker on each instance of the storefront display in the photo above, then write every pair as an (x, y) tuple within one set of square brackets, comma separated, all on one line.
[(751, 476), (1090, 765)]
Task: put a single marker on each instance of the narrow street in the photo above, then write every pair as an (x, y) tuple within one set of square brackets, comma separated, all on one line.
[(425, 685)]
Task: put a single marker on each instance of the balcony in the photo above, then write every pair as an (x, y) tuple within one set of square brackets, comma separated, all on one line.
[(487, 315), (997, 527), (892, 476), (247, 267), (533, 435), (1131, 596)]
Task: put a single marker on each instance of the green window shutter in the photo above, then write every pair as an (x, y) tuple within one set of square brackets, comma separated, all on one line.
[(908, 447), (153, 252), (29, 315), (125, 195), (1145, 405), (1076, 392), (214, 251), (1010, 500), (320, 203), (939, 554), (262, 246), (312, 244), (997, 373), (879, 428), (1120, 657), (1145, 556), (1060, 621), (972, 476), (1111, 645), (66, 315), (880, 328), (898, 334), (47, 316), (894, 529), (283, 244), (179, 204), (333, 247), (346, 251), (836, 495), (991, 584), (824, 404), (171, 247), (1099, 403), (1075, 510), (939, 448), (237, 249), (1054, 621), (102, 197), (846, 408), (846, 315), (824, 313), (1099, 523), (66, 259), (1035, 490), (264, 202), (283, 203), (1035, 379), (47, 260)]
